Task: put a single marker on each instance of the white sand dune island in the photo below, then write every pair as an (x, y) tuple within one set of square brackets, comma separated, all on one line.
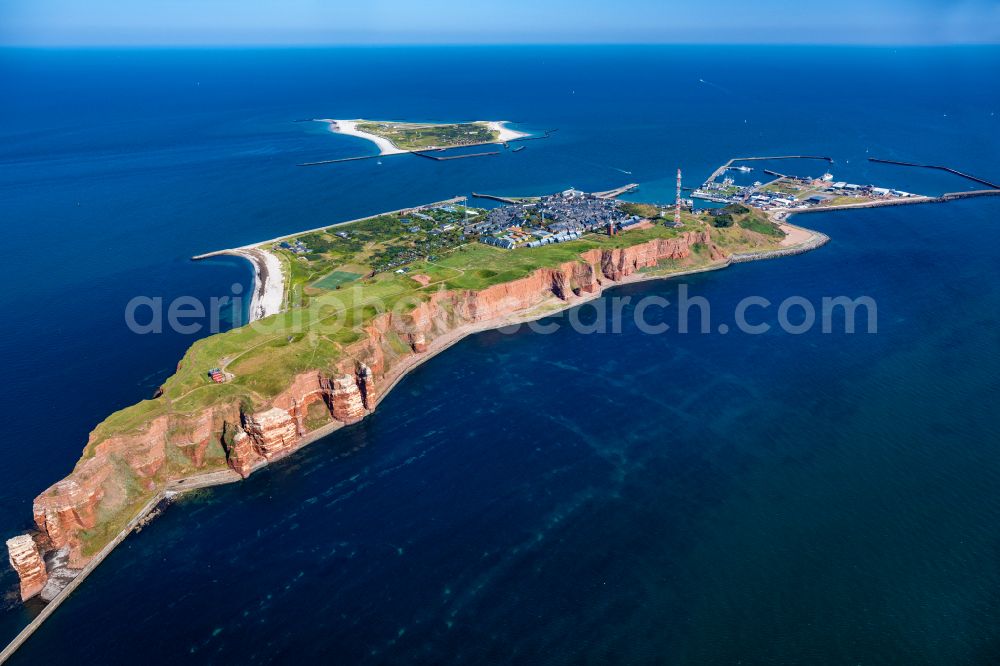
[(393, 137)]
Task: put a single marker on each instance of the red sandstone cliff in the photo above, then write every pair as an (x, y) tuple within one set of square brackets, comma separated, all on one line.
[(27, 562), (620, 263), (108, 480)]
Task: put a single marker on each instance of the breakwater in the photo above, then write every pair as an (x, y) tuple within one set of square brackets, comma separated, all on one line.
[(618, 191), (494, 197), (340, 159), (937, 167), (881, 203), (454, 157), (817, 240), (544, 135), (950, 196)]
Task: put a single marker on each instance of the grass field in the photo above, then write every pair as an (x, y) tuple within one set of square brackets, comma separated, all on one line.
[(379, 244), (336, 279), (421, 136), (759, 223), (800, 191)]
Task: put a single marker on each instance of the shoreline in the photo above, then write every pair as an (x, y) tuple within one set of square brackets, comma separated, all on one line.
[(387, 147), (506, 134), (547, 308), (350, 128), (268, 279), (278, 239)]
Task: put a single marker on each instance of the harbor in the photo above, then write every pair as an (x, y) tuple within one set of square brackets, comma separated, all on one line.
[(786, 194)]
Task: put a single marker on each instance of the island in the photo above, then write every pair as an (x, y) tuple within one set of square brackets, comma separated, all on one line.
[(340, 314), (358, 305), (392, 137)]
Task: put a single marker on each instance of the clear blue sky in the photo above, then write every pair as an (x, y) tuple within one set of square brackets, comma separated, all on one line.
[(305, 22)]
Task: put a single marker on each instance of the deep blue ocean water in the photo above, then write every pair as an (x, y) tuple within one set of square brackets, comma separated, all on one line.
[(565, 498)]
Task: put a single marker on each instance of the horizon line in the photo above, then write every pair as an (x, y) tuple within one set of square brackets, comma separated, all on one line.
[(322, 45)]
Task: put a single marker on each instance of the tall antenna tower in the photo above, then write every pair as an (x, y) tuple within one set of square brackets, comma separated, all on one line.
[(677, 202)]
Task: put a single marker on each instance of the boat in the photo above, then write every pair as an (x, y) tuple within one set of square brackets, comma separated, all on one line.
[(519, 148)]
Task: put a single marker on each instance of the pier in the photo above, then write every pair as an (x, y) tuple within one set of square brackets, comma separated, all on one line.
[(956, 172), (611, 194), (494, 197)]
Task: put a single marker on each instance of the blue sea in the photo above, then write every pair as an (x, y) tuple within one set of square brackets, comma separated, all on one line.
[(814, 498)]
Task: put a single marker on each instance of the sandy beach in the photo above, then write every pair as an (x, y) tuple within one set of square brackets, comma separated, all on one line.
[(794, 235), (350, 127), (506, 134), (269, 282)]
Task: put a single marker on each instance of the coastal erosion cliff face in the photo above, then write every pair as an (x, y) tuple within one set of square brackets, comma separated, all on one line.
[(27, 561), (313, 400), (120, 472)]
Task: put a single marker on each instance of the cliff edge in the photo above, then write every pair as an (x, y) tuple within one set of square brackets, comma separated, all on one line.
[(120, 472)]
